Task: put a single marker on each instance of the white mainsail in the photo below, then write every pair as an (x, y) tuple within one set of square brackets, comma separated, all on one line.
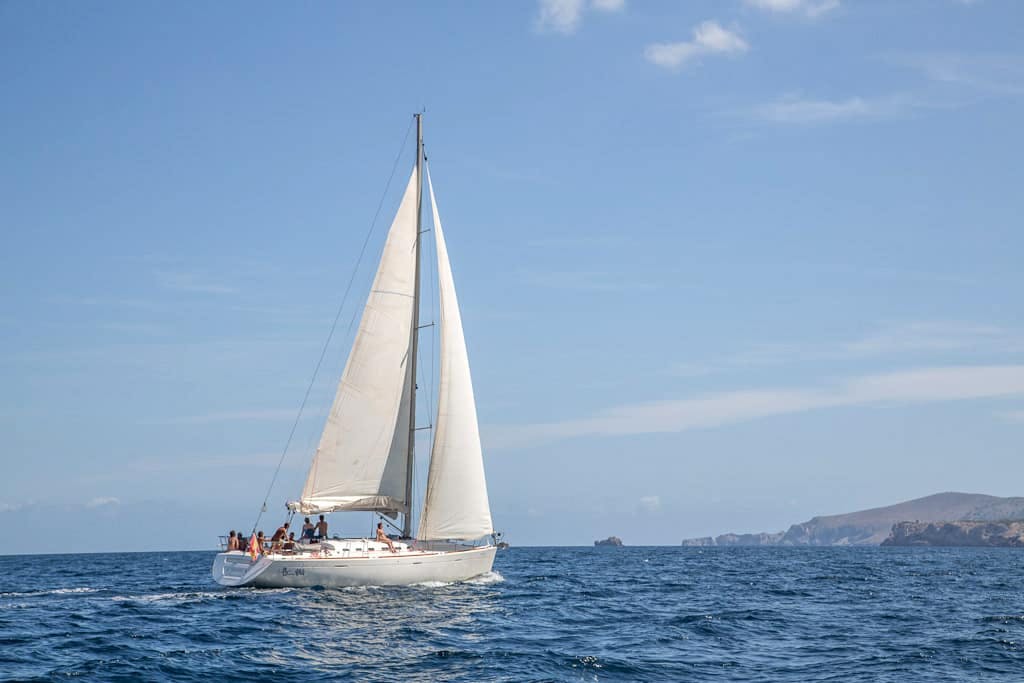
[(361, 462), (456, 505)]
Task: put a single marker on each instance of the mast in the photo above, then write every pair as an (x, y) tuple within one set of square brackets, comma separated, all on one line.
[(414, 346)]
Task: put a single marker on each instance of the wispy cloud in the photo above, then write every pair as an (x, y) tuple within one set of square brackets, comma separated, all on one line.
[(931, 336), (709, 38), (925, 385), (798, 110), (913, 337), (133, 328), (998, 74), (103, 501), (650, 503), (564, 16), (583, 281), (954, 80), (146, 467), (191, 282), (808, 8), (594, 241), (236, 416)]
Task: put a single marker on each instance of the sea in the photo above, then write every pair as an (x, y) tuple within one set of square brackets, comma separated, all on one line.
[(543, 614)]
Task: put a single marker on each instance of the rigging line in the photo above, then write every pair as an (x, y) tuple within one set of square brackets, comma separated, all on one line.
[(334, 325)]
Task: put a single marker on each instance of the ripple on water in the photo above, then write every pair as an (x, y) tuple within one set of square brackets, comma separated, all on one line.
[(624, 614)]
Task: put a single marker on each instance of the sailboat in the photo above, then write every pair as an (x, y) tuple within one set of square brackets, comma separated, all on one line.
[(365, 457)]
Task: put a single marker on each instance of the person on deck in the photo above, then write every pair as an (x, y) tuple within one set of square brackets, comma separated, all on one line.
[(383, 537), (261, 542), (308, 530), (232, 541), (321, 528), (290, 543), (279, 537)]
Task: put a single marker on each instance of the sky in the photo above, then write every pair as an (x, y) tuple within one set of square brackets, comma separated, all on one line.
[(723, 265)]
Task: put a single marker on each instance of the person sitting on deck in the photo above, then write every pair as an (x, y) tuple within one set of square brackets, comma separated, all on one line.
[(233, 541), (321, 529), (290, 543), (279, 537), (383, 538), (261, 542), (308, 530)]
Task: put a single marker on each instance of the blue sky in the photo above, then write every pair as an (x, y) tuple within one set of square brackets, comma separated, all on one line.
[(723, 265)]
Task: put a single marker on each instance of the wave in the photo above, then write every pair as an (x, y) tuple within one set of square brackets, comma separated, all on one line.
[(482, 580), (486, 579), (195, 596), (52, 591)]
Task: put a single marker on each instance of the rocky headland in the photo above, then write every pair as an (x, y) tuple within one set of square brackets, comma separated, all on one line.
[(987, 534), (873, 527)]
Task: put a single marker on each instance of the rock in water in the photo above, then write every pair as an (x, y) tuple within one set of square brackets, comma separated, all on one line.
[(611, 540)]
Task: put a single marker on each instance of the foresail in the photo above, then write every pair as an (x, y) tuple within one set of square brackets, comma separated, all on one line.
[(456, 505), (360, 463)]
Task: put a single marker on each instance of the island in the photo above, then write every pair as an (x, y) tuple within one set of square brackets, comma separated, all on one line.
[(614, 541), (875, 526)]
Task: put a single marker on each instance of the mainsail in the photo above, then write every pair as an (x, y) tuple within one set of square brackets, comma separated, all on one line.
[(456, 505), (361, 462)]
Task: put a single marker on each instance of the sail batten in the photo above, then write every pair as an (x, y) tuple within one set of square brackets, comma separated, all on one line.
[(361, 460), (456, 504)]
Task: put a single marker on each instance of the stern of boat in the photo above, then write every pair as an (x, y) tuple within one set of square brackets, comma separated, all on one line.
[(236, 568)]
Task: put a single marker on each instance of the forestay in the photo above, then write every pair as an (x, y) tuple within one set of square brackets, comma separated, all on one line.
[(360, 463), (456, 505)]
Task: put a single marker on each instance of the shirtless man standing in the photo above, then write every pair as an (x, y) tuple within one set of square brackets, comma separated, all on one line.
[(321, 528), (383, 538), (279, 537)]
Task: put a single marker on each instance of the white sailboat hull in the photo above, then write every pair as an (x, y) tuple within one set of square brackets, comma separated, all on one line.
[(374, 569)]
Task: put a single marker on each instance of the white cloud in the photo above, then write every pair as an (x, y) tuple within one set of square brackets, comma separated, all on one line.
[(564, 16), (709, 38), (809, 8), (102, 502), (910, 386)]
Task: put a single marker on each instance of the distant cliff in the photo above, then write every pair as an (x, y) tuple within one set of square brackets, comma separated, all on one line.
[(872, 527), (611, 540), (998, 534)]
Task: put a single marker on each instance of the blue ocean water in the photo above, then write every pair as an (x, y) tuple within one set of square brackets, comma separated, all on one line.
[(591, 614)]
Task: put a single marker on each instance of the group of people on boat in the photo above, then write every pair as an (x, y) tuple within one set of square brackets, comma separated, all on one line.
[(282, 540)]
